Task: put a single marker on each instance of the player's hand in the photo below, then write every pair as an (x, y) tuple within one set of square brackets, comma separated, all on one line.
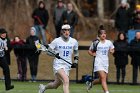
[(94, 54), (74, 65), (57, 56), (47, 46)]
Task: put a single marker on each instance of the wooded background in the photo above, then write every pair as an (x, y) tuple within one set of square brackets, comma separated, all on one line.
[(15, 16)]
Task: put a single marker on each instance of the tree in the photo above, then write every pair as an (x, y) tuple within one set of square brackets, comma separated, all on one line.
[(100, 9)]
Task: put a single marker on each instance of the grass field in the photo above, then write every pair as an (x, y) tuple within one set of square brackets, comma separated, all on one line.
[(27, 87)]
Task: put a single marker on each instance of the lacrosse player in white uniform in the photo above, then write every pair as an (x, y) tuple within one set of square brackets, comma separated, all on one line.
[(63, 46), (101, 60)]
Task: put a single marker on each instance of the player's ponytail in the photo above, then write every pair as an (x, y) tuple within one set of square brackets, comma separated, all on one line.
[(101, 30)]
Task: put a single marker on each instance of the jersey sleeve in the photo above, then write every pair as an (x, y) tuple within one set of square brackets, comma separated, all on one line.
[(91, 46), (53, 44)]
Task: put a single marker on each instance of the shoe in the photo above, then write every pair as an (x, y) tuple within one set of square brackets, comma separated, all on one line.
[(10, 87), (89, 85), (34, 81), (30, 81), (41, 88)]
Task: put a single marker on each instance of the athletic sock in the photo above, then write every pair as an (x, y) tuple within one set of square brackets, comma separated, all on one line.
[(107, 92)]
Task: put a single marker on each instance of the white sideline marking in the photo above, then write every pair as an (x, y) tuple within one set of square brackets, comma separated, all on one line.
[(83, 90)]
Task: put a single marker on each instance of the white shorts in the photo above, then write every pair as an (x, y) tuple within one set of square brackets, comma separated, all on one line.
[(58, 66), (101, 68)]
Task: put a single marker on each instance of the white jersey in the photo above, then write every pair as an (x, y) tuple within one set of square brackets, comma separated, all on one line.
[(65, 49), (101, 58), (91, 47)]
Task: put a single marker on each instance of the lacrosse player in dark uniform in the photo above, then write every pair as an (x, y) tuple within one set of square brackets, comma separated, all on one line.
[(3, 61)]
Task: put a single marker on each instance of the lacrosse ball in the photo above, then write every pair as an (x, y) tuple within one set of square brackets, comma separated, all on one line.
[(38, 46)]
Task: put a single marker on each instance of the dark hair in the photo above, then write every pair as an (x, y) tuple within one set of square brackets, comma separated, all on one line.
[(101, 29), (2, 30), (16, 36), (41, 2), (60, 1), (125, 38)]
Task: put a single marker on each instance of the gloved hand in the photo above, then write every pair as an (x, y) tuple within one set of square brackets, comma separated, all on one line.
[(57, 56), (74, 65), (47, 46)]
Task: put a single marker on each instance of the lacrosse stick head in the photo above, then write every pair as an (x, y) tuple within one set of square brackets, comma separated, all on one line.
[(39, 46)]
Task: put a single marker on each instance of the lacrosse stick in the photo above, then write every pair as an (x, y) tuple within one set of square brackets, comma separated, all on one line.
[(44, 48), (95, 43)]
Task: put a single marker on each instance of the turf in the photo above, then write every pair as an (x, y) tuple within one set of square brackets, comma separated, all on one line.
[(29, 87)]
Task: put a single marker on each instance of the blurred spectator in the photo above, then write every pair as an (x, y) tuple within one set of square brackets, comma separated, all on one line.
[(32, 53), (3, 61), (58, 11), (121, 57), (20, 53), (41, 17), (132, 5), (123, 17), (136, 18), (135, 56), (70, 17)]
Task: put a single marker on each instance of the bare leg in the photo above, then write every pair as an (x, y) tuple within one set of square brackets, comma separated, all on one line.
[(65, 79), (96, 81), (60, 77), (103, 77), (55, 84)]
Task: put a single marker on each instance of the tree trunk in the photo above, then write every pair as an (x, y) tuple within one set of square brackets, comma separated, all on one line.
[(28, 10), (84, 21), (100, 9)]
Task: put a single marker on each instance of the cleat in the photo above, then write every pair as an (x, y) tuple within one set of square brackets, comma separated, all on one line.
[(10, 87), (41, 88), (89, 85)]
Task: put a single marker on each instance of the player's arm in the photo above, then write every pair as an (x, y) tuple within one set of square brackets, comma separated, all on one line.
[(51, 52), (76, 58), (47, 49), (92, 53), (91, 50), (111, 50)]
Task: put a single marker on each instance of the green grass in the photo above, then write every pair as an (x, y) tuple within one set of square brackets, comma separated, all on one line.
[(27, 87)]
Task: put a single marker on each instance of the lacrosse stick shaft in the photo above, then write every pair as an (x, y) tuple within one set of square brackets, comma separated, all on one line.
[(92, 70), (60, 57), (65, 61), (44, 48)]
